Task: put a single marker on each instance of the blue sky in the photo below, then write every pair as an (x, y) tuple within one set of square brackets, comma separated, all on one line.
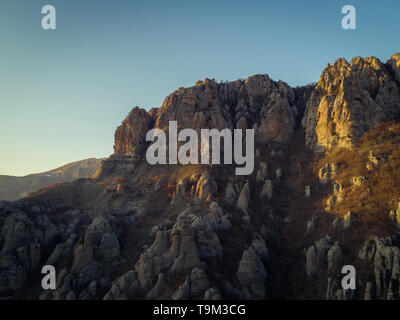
[(63, 92)]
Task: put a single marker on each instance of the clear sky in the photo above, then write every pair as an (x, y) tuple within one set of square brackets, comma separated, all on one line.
[(63, 92)]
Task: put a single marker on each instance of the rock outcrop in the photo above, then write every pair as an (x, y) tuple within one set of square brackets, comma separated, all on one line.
[(251, 275), (394, 63), (267, 189), (316, 255), (244, 199), (131, 134), (384, 257), (258, 102), (348, 100)]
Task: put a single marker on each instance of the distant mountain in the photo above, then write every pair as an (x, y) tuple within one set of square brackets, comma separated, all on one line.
[(13, 188)]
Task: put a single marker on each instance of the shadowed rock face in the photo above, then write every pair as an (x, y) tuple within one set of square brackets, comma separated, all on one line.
[(131, 134), (349, 99), (13, 188), (136, 231)]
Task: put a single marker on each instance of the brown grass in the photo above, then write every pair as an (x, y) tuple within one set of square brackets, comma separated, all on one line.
[(380, 192)]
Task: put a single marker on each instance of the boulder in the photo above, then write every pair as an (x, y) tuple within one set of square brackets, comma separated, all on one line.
[(262, 172), (267, 190), (244, 198), (230, 194), (251, 274), (307, 191)]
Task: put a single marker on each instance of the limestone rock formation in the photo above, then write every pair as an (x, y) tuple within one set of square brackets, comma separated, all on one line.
[(316, 255), (251, 275), (267, 189), (244, 198), (217, 219), (230, 194), (311, 224), (394, 63), (141, 231), (384, 256), (131, 134), (335, 258), (394, 214), (307, 191), (349, 99), (257, 102), (262, 171), (328, 172), (206, 187)]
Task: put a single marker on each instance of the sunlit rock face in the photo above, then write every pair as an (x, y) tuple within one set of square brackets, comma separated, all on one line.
[(131, 134), (349, 99), (394, 63), (258, 102)]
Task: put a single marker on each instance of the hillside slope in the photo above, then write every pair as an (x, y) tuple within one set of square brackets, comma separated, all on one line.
[(13, 188)]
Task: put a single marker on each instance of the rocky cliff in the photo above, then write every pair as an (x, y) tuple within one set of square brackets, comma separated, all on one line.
[(350, 99), (137, 231), (258, 102)]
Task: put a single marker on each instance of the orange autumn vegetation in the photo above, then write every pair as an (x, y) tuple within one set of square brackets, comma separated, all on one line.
[(380, 192)]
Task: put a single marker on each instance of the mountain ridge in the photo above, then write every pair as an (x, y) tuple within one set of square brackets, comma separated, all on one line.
[(324, 193), (15, 187)]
